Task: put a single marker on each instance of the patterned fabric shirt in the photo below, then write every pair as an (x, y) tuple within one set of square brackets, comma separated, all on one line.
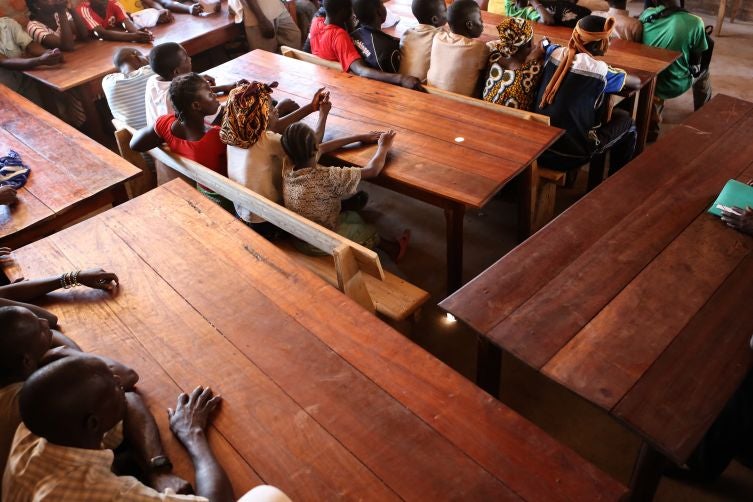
[(315, 192), (41, 471)]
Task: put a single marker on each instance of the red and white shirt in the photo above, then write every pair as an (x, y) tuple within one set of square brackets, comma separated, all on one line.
[(114, 15)]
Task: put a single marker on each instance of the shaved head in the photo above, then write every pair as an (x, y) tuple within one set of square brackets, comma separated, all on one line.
[(24, 338)]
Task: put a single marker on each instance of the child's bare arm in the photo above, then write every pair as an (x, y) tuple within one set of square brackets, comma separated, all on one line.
[(194, 9), (145, 139), (336, 144), (119, 36), (82, 32), (39, 57), (361, 69), (301, 112), (325, 105), (376, 164), (64, 41), (544, 15)]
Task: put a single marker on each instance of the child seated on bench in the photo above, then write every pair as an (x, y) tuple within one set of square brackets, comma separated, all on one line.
[(378, 49), (329, 40), (53, 25), (125, 90), (315, 191), (251, 129), (457, 58), (415, 44), (193, 8), (103, 17), (186, 131), (168, 61)]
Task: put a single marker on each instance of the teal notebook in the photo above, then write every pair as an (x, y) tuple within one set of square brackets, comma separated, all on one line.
[(733, 194)]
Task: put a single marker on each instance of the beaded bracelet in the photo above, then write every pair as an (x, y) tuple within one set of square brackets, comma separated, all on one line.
[(70, 280)]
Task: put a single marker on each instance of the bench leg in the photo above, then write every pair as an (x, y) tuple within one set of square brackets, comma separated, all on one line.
[(488, 365), (647, 474), (545, 202), (720, 17), (527, 181), (454, 218), (643, 114)]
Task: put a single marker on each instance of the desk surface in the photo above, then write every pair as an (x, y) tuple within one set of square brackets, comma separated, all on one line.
[(451, 150), (92, 60), (636, 298), (321, 398), (638, 59), (67, 168)]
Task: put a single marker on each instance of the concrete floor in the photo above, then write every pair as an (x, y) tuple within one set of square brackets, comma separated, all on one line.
[(489, 234)]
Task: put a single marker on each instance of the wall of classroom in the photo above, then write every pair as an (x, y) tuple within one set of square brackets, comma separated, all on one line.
[(711, 7)]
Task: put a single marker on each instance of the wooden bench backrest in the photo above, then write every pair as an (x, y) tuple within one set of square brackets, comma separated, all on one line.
[(309, 58), (350, 258)]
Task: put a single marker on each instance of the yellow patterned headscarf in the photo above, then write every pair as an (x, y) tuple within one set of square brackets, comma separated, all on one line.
[(514, 33), (246, 114)]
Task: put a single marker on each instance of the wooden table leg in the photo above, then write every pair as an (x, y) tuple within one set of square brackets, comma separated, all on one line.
[(735, 10), (527, 184), (720, 17), (488, 365), (643, 114), (454, 214), (647, 474)]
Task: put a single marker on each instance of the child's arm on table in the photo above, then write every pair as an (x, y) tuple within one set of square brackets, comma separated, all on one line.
[(376, 164), (301, 112), (335, 144), (194, 9), (358, 67), (39, 57)]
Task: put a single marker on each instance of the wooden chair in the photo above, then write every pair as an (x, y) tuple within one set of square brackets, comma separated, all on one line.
[(146, 181), (352, 268)]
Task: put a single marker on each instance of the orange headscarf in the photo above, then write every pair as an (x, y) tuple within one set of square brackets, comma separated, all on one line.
[(578, 41)]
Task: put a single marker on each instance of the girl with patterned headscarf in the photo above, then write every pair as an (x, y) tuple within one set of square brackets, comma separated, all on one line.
[(251, 130), (514, 66)]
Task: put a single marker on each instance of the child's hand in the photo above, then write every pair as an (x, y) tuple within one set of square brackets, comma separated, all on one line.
[(143, 36), (210, 80), (410, 82), (739, 219), (165, 16), (240, 82), (317, 99), (371, 138), (325, 105), (8, 196), (386, 139), (51, 57), (196, 9)]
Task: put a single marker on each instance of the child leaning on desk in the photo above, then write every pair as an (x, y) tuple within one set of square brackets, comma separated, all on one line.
[(103, 18)]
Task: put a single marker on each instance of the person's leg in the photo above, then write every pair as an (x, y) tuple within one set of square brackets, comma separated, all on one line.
[(288, 32), (701, 90), (618, 136), (257, 41)]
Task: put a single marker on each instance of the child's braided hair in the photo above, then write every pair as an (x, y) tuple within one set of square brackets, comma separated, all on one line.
[(183, 91), (299, 142)]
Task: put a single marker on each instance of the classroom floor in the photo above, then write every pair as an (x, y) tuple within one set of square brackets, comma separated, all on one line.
[(491, 233)]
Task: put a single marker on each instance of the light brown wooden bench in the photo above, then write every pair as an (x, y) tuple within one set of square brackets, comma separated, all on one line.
[(545, 181), (352, 268)]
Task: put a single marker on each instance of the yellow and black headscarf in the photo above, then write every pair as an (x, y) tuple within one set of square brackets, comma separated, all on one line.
[(514, 33), (246, 114)]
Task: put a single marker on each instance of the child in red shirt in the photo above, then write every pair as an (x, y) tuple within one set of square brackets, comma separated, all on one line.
[(185, 131), (103, 18)]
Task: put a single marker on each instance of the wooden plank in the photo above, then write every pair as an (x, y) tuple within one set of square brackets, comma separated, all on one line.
[(680, 396), (85, 316), (506, 445), (609, 355), (348, 405), (551, 317), (26, 212), (491, 297)]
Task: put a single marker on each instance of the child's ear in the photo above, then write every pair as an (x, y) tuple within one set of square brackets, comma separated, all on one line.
[(434, 20), (469, 25)]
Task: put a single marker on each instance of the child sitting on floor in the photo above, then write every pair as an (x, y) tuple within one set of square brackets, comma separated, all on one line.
[(103, 17), (315, 191), (378, 49), (53, 25), (168, 61), (329, 40), (415, 45), (457, 58), (251, 129), (186, 131)]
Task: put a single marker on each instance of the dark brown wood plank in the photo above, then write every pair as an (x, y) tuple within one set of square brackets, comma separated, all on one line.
[(84, 316), (352, 408), (609, 355), (491, 297), (27, 212), (679, 397), (549, 319), (511, 448), (275, 436)]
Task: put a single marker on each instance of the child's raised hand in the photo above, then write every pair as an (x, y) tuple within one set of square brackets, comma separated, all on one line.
[(325, 105), (317, 99), (386, 139)]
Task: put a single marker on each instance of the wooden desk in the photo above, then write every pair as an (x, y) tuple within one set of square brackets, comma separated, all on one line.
[(446, 153), (643, 61), (71, 175), (82, 70), (636, 298), (321, 398)]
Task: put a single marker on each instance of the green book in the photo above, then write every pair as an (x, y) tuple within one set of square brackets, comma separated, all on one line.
[(733, 194)]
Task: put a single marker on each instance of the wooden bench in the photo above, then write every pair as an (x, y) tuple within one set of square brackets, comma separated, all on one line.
[(545, 181), (352, 268)]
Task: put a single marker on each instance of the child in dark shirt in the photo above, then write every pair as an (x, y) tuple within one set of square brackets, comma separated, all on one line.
[(378, 49)]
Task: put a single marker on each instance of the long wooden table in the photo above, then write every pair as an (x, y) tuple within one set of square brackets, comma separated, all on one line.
[(82, 69), (643, 61), (320, 397), (635, 298), (446, 153), (71, 175)]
